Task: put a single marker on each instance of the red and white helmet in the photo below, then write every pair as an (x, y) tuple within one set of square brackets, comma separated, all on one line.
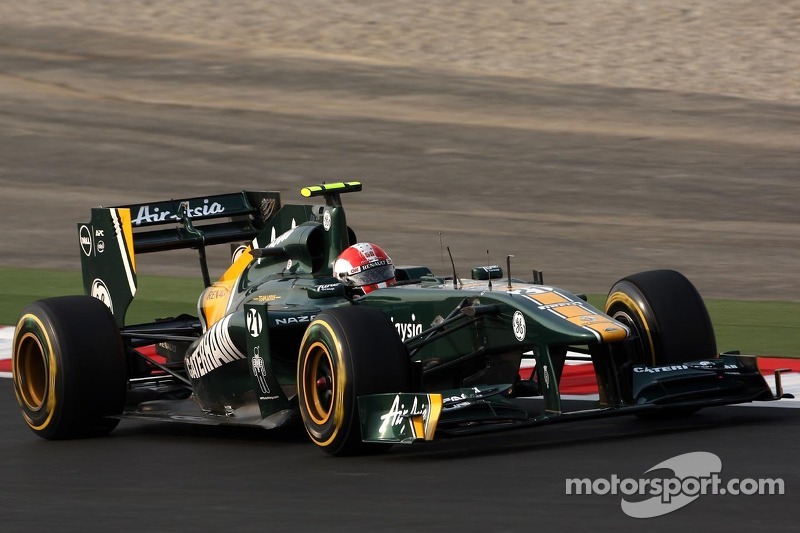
[(365, 266)]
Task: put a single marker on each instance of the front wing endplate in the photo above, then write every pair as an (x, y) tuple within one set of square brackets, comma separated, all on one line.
[(399, 418)]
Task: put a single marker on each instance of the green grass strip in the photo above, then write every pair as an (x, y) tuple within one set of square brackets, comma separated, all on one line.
[(157, 296)]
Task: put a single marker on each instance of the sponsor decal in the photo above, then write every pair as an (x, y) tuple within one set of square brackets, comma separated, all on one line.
[(518, 325), (406, 330), (215, 349), (327, 287), (266, 298), (100, 291), (376, 263), (399, 412), (86, 240), (326, 220), (237, 253), (169, 346), (278, 240), (254, 322), (216, 292), (538, 290), (546, 376), (557, 305), (467, 397), (704, 365), (260, 370), (145, 215), (267, 207), (101, 247), (454, 402), (302, 319), (659, 369), (368, 266)]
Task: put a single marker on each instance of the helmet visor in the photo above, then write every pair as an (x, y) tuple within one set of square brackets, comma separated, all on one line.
[(382, 271)]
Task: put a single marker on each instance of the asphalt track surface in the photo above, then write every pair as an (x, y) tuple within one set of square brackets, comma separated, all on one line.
[(583, 182), (171, 477)]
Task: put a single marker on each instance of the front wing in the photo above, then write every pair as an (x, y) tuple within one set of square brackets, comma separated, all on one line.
[(409, 417)]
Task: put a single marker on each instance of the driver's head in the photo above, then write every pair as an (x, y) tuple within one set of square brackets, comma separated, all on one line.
[(364, 266)]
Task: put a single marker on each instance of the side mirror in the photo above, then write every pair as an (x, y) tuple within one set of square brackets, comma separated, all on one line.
[(487, 272), (327, 290)]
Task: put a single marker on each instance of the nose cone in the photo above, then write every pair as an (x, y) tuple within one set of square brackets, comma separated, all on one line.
[(580, 314)]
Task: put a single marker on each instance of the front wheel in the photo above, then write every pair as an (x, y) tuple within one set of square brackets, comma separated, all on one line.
[(666, 314), (345, 353), (669, 324), (68, 365)]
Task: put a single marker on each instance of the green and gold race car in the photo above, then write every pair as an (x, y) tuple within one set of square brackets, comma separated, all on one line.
[(284, 337)]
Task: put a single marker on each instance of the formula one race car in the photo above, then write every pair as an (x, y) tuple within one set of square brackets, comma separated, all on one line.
[(278, 338)]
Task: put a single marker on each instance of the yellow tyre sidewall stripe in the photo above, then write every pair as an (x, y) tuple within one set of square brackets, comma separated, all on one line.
[(624, 299), (340, 381), (52, 371)]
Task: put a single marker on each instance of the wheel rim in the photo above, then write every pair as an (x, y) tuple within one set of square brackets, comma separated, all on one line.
[(30, 369), (645, 355), (319, 383), (623, 306)]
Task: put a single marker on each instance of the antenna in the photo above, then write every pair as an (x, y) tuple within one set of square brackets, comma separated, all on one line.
[(487, 270), (508, 266), (455, 276)]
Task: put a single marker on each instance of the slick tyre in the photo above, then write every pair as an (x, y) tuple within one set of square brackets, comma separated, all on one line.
[(667, 315), (68, 366), (669, 322), (347, 352)]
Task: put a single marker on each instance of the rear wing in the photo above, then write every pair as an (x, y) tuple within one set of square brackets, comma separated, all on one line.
[(245, 212), (111, 240)]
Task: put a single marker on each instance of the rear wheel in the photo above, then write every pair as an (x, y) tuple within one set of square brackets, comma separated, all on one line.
[(347, 352), (68, 366), (669, 322)]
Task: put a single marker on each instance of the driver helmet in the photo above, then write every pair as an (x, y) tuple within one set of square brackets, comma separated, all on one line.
[(364, 266)]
